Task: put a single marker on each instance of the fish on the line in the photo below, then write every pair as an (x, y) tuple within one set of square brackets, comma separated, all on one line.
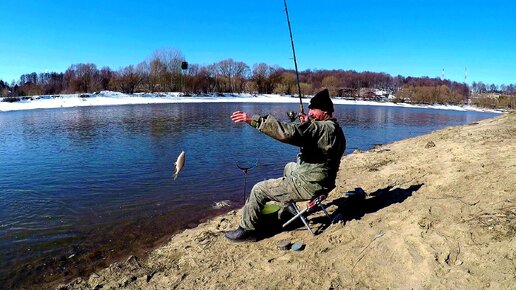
[(179, 164)]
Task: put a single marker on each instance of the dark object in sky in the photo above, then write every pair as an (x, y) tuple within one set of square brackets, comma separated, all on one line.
[(184, 65)]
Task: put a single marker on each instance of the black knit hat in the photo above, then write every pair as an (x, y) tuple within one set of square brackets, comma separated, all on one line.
[(322, 101)]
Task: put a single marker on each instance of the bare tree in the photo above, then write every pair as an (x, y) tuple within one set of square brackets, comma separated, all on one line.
[(4, 89), (331, 83), (128, 79), (82, 78), (157, 75), (241, 73), (266, 77), (168, 61), (224, 74), (105, 76), (198, 79)]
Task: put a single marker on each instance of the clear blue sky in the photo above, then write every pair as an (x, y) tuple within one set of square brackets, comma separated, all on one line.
[(410, 38)]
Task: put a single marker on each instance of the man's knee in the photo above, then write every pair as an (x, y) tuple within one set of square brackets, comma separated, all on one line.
[(259, 190), (260, 186)]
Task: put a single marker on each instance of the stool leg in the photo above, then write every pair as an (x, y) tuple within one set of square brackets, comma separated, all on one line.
[(303, 219), (325, 212), (306, 225), (299, 215)]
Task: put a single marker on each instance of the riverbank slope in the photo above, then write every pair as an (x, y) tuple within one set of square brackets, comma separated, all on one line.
[(439, 212)]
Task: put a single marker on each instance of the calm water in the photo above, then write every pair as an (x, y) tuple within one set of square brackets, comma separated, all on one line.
[(82, 186)]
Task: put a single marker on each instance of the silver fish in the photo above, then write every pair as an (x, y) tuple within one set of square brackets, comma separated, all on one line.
[(179, 164)]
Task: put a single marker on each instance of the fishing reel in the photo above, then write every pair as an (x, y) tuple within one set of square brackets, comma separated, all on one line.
[(292, 116)]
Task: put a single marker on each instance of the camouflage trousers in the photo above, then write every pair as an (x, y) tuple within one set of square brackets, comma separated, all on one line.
[(279, 190)]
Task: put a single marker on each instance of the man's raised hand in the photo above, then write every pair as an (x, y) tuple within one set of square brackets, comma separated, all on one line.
[(241, 117)]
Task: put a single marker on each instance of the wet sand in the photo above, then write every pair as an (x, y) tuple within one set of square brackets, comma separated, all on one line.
[(439, 212)]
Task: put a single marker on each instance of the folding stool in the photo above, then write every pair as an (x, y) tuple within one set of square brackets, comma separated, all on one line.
[(314, 202)]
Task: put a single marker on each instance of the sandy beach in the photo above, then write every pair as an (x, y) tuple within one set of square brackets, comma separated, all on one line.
[(439, 213)]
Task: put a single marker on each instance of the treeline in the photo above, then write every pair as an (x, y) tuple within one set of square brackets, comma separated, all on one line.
[(163, 72), (481, 88), (495, 101)]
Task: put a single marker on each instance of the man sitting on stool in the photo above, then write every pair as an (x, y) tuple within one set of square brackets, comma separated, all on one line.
[(322, 144)]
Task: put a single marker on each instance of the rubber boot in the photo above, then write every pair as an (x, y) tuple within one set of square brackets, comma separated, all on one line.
[(240, 235)]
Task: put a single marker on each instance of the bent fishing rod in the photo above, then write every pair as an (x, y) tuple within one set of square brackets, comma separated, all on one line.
[(301, 110)]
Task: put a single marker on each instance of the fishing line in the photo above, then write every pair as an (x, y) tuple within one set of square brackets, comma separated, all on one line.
[(245, 166)]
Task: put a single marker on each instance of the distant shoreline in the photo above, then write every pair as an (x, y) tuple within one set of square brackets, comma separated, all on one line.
[(108, 98)]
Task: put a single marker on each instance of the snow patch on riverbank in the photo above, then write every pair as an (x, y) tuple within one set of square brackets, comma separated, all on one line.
[(108, 98)]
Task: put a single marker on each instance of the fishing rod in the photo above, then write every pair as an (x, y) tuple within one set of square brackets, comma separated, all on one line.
[(301, 110)]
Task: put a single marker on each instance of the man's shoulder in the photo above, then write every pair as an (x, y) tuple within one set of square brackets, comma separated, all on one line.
[(331, 123)]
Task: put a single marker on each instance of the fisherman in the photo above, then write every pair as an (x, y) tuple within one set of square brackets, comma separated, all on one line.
[(322, 144)]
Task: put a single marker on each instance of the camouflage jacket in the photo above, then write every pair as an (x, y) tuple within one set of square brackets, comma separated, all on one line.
[(322, 144)]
